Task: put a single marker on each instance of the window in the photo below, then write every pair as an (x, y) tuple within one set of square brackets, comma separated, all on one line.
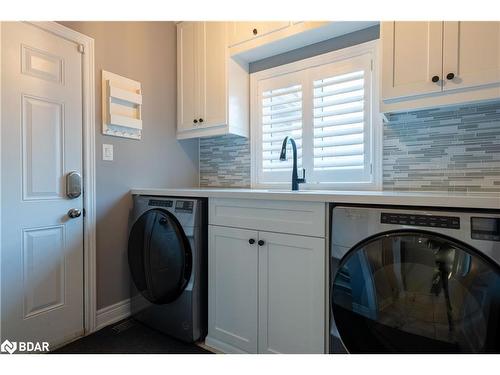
[(327, 104)]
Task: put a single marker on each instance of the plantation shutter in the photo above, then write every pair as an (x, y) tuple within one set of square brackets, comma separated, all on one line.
[(327, 110), (281, 101), (341, 119)]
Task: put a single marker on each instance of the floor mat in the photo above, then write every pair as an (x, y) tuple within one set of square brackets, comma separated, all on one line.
[(129, 337)]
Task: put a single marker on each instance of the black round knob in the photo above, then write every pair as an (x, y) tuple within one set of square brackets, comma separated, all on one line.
[(254, 31), (435, 79), (450, 76), (195, 121), (261, 243), (251, 241), (200, 120)]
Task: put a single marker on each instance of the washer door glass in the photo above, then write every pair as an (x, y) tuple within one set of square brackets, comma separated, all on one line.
[(416, 292), (159, 256)]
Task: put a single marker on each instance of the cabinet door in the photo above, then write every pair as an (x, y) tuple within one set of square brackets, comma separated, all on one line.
[(291, 294), (244, 31), (187, 75), (232, 287), (213, 74), (471, 53), (412, 56)]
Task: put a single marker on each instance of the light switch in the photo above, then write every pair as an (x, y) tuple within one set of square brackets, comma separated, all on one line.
[(107, 152)]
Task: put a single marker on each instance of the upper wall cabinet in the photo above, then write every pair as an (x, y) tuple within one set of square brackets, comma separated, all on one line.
[(253, 41), (471, 54), (212, 89), (243, 31), (427, 64), (412, 56)]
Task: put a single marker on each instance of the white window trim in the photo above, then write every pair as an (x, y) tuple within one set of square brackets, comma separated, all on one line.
[(372, 48)]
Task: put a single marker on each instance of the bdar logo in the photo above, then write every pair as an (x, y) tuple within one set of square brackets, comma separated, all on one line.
[(8, 346)]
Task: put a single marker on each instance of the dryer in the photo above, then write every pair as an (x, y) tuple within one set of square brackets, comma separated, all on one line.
[(167, 256), (408, 280)]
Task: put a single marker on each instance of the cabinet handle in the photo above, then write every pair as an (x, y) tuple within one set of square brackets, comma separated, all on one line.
[(200, 120), (251, 241), (254, 31), (450, 76), (261, 243), (195, 121), (435, 79)]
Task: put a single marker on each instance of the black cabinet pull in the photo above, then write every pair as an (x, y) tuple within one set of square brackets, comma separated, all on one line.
[(254, 31), (435, 79), (450, 76), (251, 241), (261, 243), (200, 120), (195, 121)]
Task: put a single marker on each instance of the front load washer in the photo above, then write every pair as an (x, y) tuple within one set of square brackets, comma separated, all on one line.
[(167, 256), (409, 280)]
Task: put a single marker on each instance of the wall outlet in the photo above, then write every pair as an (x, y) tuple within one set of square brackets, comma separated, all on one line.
[(107, 152)]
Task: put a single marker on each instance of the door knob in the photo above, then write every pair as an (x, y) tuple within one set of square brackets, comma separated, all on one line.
[(261, 243), (450, 76), (74, 213), (435, 79), (254, 31), (251, 241)]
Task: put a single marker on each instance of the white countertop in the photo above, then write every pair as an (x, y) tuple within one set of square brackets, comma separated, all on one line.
[(430, 199)]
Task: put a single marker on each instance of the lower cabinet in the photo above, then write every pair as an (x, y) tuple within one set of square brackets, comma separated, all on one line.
[(232, 289), (266, 292), (291, 294)]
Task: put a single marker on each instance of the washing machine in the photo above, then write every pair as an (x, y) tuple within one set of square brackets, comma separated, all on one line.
[(408, 280), (167, 256)]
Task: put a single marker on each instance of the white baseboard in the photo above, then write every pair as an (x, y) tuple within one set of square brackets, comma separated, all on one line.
[(113, 313)]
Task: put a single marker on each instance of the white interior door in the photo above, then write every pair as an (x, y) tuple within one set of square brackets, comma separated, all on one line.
[(42, 247)]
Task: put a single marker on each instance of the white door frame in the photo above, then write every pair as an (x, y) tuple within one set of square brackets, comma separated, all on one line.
[(89, 203)]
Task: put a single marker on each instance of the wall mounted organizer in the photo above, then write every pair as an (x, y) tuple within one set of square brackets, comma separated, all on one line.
[(121, 106)]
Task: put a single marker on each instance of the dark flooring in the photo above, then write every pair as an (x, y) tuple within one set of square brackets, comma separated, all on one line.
[(129, 337)]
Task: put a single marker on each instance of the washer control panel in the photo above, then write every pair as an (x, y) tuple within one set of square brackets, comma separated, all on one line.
[(184, 206), (485, 228), (160, 203), (432, 221)]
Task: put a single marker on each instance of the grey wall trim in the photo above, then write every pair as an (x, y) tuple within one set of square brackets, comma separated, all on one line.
[(344, 41)]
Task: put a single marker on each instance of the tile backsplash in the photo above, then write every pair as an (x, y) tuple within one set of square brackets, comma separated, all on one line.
[(225, 161), (442, 149)]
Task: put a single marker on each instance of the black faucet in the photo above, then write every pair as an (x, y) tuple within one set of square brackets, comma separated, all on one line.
[(295, 178)]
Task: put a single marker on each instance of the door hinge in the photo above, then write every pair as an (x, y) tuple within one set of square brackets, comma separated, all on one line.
[(371, 65), (81, 48), (371, 168)]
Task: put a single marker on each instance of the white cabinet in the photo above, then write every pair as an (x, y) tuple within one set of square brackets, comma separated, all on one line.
[(428, 64), (266, 289), (471, 54), (187, 75), (291, 293), (232, 288), (243, 31), (212, 89), (412, 53)]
